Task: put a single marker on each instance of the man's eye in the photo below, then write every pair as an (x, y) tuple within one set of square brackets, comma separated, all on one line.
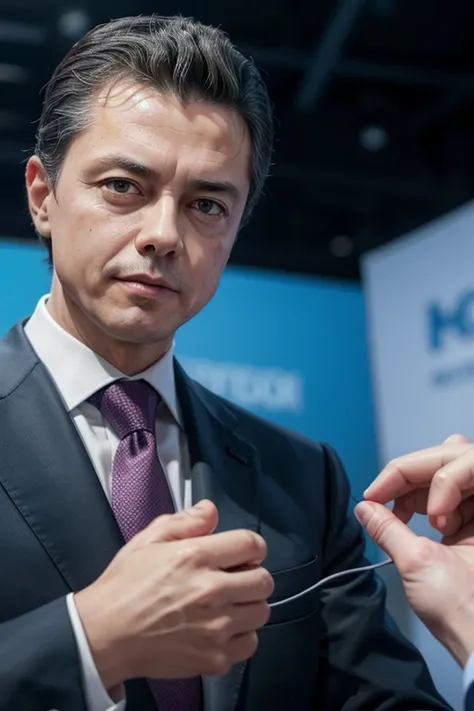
[(121, 186), (210, 207)]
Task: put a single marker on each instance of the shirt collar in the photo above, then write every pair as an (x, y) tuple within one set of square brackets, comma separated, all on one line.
[(78, 372)]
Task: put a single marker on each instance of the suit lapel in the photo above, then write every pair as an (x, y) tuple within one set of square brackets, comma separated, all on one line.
[(225, 469), (46, 471)]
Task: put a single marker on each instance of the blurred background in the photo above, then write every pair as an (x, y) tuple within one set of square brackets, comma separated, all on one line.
[(347, 312), (374, 102)]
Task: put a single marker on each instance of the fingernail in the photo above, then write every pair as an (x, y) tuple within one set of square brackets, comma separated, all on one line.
[(363, 512)]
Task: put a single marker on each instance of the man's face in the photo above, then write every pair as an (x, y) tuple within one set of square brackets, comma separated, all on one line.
[(144, 215)]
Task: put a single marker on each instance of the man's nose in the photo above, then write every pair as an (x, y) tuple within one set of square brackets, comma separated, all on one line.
[(160, 233)]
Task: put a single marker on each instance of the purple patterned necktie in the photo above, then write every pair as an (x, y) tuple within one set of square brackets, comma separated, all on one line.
[(140, 493)]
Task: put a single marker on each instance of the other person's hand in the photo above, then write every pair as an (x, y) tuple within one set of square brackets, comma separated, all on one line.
[(438, 577)]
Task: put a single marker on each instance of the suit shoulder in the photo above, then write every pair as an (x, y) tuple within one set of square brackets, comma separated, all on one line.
[(260, 430), (17, 360)]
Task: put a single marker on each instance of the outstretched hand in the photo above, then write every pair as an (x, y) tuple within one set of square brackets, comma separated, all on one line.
[(438, 577)]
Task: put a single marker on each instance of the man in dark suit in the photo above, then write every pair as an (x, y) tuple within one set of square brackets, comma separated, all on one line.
[(153, 145), (438, 576)]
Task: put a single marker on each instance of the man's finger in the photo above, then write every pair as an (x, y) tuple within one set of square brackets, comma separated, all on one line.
[(246, 586), (232, 549), (386, 530), (413, 471), (199, 520)]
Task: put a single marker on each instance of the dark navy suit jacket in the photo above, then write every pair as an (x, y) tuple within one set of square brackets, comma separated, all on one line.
[(330, 650)]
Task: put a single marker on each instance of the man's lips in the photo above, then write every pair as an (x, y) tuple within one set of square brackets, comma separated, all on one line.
[(148, 287), (148, 281)]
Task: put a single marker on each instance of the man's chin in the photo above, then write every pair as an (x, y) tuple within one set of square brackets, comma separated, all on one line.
[(139, 334)]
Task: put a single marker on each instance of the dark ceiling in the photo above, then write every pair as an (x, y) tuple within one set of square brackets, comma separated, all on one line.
[(374, 104)]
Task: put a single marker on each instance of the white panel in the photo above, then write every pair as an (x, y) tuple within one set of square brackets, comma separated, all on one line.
[(420, 301)]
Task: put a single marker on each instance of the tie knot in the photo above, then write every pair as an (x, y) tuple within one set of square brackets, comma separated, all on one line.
[(128, 405)]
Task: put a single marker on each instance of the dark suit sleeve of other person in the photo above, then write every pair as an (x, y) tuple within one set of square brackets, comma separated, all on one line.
[(469, 700), (39, 663), (366, 663)]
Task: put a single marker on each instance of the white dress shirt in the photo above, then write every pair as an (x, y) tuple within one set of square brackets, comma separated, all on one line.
[(78, 372)]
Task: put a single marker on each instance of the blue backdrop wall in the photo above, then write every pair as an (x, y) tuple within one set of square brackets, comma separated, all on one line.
[(291, 349)]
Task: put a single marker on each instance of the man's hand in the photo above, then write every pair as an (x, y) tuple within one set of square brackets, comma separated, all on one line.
[(438, 577), (177, 602)]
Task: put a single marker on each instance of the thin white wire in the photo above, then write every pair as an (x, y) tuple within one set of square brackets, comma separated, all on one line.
[(331, 577)]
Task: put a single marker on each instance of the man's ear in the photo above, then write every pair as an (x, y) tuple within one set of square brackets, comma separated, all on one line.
[(40, 194)]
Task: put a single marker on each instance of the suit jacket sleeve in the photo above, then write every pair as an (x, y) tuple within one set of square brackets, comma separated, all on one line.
[(367, 664), (39, 664)]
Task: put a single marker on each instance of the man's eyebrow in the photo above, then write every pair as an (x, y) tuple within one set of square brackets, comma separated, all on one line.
[(123, 162)]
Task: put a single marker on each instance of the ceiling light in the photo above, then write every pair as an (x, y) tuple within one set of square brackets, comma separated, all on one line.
[(73, 24), (373, 137), (341, 246)]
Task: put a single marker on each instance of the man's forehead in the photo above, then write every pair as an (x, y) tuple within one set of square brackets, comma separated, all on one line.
[(158, 131), (121, 92), (128, 105)]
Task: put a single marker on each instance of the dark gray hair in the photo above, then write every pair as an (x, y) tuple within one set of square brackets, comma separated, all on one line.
[(174, 55)]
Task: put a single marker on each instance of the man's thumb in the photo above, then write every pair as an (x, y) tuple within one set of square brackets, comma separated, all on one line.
[(385, 529)]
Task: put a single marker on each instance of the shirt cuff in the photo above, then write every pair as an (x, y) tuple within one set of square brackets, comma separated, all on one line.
[(97, 698)]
